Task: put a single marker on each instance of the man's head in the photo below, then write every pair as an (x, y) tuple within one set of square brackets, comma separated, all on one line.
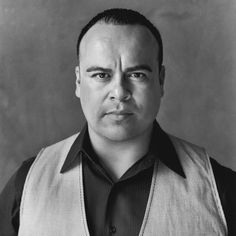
[(120, 75)]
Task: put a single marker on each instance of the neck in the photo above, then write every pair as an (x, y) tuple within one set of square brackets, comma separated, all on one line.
[(118, 156)]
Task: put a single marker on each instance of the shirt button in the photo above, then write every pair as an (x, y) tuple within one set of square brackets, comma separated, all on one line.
[(112, 229)]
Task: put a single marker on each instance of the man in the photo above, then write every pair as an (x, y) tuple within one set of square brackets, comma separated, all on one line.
[(122, 175)]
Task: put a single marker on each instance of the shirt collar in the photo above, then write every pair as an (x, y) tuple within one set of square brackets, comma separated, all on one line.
[(162, 147), (164, 151)]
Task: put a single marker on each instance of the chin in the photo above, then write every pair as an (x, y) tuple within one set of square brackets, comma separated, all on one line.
[(120, 134)]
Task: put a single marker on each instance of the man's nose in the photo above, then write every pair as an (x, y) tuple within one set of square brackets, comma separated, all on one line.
[(120, 90)]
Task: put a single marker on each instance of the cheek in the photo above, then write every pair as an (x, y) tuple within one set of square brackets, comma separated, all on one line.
[(86, 97), (90, 100), (149, 102)]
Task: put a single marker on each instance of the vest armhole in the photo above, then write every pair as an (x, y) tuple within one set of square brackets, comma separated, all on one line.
[(26, 180), (216, 194), (21, 175)]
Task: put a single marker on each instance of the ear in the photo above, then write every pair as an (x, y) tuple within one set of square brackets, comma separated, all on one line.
[(77, 83), (162, 78)]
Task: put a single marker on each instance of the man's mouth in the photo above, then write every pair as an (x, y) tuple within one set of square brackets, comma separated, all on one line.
[(119, 115)]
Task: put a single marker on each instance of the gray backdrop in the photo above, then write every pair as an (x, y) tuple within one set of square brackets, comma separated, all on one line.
[(37, 82)]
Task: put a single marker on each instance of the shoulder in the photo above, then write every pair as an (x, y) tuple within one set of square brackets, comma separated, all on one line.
[(63, 144), (16, 183), (225, 179), (188, 151), (186, 145), (22, 172)]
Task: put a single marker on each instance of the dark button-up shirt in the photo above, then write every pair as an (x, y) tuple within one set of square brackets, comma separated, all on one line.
[(115, 208)]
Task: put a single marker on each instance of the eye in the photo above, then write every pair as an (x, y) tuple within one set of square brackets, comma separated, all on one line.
[(101, 76), (137, 76)]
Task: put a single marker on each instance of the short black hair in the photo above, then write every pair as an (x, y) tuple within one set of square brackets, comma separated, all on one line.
[(121, 16)]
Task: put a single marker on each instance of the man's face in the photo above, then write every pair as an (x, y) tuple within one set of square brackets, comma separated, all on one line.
[(118, 80)]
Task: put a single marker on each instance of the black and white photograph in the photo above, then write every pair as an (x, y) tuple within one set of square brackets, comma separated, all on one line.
[(117, 118)]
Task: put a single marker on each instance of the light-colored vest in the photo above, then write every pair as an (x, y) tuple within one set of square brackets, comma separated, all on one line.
[(53, 203)]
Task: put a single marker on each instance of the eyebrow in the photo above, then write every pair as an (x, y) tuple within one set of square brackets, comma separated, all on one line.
[(98, 68), (129, 69), (139, 67)]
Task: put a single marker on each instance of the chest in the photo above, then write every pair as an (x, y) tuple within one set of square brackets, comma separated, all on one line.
[(55, 204)]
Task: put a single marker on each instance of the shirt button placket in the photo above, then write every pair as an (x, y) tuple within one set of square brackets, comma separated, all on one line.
[(112, 229)]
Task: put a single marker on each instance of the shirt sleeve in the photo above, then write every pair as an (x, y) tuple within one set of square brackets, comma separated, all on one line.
[(10, 199), (226, 184)]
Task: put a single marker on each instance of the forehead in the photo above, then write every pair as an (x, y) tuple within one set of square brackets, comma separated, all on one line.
[(127, 40)]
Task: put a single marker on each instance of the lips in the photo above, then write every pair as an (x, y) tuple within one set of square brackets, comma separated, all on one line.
[(119, 112), (119, 115)]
